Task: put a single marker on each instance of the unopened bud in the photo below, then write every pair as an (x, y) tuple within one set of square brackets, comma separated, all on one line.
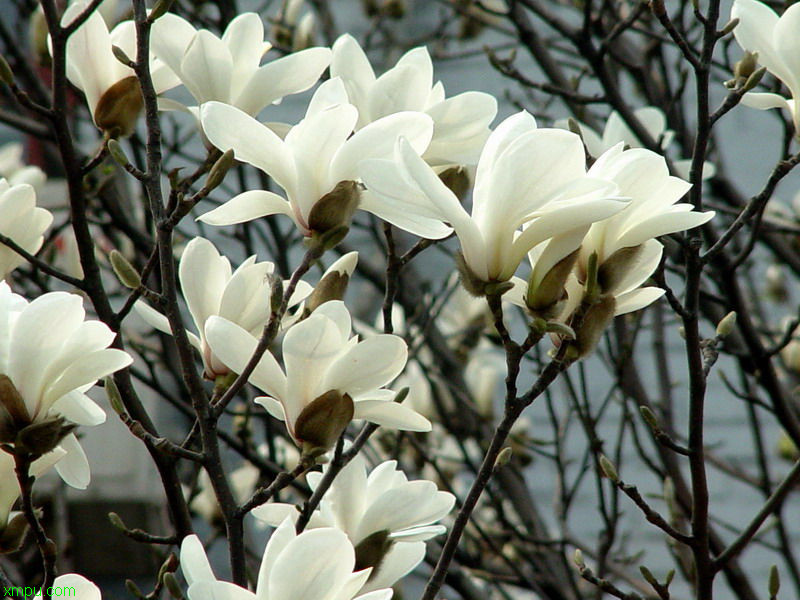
[(322, 422), (119, 107), (545, 299), (125, 271), (328, 240), (117, 153), (276, 292), (774, 584), (333, 283), (6, 74), (173, 587), (608, 468), (114, 397), (41, 437), (754, 79), (787, 449), (160, 8), (729, 26), (503, 458), (649, 417), (336, 208), (170, 565), (577, 558), (670, 576), (648, 576), (120, 55), (117, 521), (776, 288), (746, 65), (574, 127), (726, 325), (595, 322), (133, 589), (219, 170)]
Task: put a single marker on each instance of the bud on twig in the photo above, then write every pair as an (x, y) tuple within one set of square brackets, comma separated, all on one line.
[(503, 458), (117, 153), (774, 584), (754, 79), (133, 589), (114, 397), (219, 170), (730, 26), (608, 468), (159, 9), (125, 271), (276, 292), (120, 55), (648, 576), (649, 417), (726, 325), (6, 74), (577, 558), (116, 521), (174, 589)]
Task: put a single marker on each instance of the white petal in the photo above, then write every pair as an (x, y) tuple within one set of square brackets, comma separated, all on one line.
[(203, 274), (247, 206), (390, 414), (765, 100), (194, 562), (401, 559), (637, 299), (368, 365), (73, 468), (79, 408), (206, 68), (91, 368), (218, 590)]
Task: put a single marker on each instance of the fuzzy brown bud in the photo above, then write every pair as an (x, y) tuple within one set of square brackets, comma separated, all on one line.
[(545, 299), (119, 107), (322, 422), (336, 208)]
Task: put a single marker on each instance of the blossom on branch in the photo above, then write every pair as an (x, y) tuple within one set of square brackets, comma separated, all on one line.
[(386, 517), (210, 288), (314, 565), (49, 358), (330, 378), (21, 221), (775, 40)]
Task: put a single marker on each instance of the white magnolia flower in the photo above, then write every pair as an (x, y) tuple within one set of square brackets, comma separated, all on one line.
[(525, 175), (386, 517), (210, 288), (111, 88), (229, 69), (461, 123), (315, 565), (316, 164), (654, 210), (77, 586), (775, 40), (15, 170), (616, 130), (330, 378), (49, 358), (21, 221)]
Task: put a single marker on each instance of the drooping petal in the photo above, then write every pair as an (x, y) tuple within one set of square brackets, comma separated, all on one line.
[(390, 414), (247, 206), (73, 468)]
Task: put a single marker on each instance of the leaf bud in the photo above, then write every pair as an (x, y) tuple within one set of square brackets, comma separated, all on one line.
[(6, 74), (217, 173), (726, 325), (608, 468), (125, 271), (114, 397), (774, 584)]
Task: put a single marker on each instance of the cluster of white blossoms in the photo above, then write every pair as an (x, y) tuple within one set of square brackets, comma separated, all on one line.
[(393, 145)]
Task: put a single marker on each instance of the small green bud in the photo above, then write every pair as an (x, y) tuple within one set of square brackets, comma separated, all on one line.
[(6, 74), (275, 292), (669, 578), (726, 325), (159, 9), (574, 126), (561, 329), (117, 153), (730, 26), (217, 173), (648, 576), (170, 565), (774, 584), (125, 271), (117, 521), (577, 558), (745, 66), (114, 397), (787, 449), (173, 587), (133, 589), (649, 417), (120, 55), (13, 534), (754, 79), (503, 458), (608, 468)]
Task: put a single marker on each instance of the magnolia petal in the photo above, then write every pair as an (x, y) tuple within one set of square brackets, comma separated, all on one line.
[(247, 206), (390, 414), (194, 562), (291, 74), (203, 274), (637, 299), (275, 513), (662, 225), (73, 468), (765, 101), (79, 408), (228, 127), (90, 368), (401, 559), (272, 406), (756, 33), (218, 590), (244, 37), (170, 36), (368, 365), (234, 347), (206, 68)]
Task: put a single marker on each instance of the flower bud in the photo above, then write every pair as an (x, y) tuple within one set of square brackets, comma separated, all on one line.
[(787, 449), (119, 107), (276, 292), (117, 153), (729, 26), (334, 282), (648, 576), (322, 422), (134, 590), (219, 170), (160, 8), (173, 587), (120, 55), (745, 66), (335, 208), (649, 417), (37, 34), (595, 322), (503, 458), (13, 534), (776, 288), (117, 521), (371, 551), (608, 468), (754, 79), (114, 397), (774, 584), (545, 299), (6, 74), (457, 181), (125, 271), (577, 558), (726, 325)]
